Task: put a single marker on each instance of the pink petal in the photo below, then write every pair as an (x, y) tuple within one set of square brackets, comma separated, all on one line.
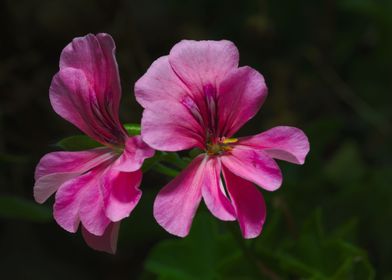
[(159, 83), (92, 208), (78, 199), (58, 167), (134, 154), (242, 89), (69, 95), (281, 142), (121, 193), (176, 204), (107, 242), (95, 57), (200, 63), (213, 192), (253, 165), (86, 90), (169, 126), (248, 203)]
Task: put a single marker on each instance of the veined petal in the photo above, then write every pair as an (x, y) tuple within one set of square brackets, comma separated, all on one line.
[(240, 96), (95, 57), (58, 167), (81, 200), (107, 242), (213, 192), (86, 90), (159, 83), (134, 154), (121, 193), (281, 142), (200, 63), (169, 126), (177, 202), (248, 203), (253, 165)]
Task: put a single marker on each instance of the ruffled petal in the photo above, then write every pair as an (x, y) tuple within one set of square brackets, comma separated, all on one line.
[(213, 192), (95, 57), (121, 193), (240, 96), (201, 63), (248, 203), (177, 202), (86, 90), (105, 243), (81, 200), (170, 126), (253, 165), (58, 167), (159, 83), (281, 142), (134, 154)]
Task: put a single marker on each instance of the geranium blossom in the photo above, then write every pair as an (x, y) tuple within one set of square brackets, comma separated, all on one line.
[(97, 187), (198, 97)]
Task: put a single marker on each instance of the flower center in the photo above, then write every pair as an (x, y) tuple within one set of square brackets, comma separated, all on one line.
[(220, 146)]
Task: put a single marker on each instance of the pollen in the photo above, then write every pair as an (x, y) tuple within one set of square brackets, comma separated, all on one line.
[(221, 146)]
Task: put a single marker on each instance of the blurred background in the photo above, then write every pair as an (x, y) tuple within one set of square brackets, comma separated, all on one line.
[(328, 68)]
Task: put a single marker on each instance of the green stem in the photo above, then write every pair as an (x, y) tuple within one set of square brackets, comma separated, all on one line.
[(165, 170)]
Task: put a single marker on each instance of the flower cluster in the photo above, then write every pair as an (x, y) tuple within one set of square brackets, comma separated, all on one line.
[(195, 97)]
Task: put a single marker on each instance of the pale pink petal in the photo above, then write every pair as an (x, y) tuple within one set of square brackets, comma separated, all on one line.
[(159, 83), (201, 63), (177, 202), (248, 203), (134, 154), (105, 243), (253, 165), (170, 126), (121, 193), (213, 192), (95, 57), (58, 167), (70, 198), (240, 96), (281, 142)]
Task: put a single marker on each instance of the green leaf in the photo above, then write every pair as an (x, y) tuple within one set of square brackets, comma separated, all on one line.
[(78, 143), (198, 256), (12, 207), (132, 128)]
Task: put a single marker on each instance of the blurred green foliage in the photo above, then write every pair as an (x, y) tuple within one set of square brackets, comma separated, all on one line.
[(327, 65)]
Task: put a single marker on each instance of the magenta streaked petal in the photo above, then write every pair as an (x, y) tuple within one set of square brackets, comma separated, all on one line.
[(177, 202), (95, 57), (81, 200), (58, 167), (281, 142), (240, 96), (253, 165), (159, 83), (86, 90), (199, 63), (105, 243), (213, 192), (248, 203), (121, 193), (134, 154), (69, 95), (169, 126)]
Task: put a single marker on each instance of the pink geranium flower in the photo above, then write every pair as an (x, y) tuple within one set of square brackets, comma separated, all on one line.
[(97, 187), (197, 96)]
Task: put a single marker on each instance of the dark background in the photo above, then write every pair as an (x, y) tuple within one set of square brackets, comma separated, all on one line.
[(328, 68)]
